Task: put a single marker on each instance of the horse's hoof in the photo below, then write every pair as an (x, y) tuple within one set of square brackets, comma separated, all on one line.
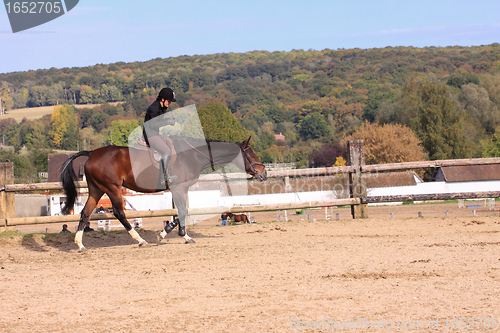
[(82, 250), (161, 236), (143, 244), (190, 241)]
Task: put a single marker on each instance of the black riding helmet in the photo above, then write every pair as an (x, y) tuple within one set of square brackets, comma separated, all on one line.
[(168, 94)]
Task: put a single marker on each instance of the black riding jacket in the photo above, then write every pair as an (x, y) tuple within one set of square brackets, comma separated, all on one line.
[(153, 127)]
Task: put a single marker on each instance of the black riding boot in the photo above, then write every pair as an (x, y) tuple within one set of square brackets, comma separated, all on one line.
[(164, 168)]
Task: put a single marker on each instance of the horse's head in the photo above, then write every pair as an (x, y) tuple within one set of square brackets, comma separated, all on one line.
[(253, 165)]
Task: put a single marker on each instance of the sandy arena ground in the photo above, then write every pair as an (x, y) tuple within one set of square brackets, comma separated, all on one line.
[(399, 274)]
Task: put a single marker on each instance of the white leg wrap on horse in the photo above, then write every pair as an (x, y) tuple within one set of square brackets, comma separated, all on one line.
[(78, 239), (188, 239), (163, 234), (136, 236)]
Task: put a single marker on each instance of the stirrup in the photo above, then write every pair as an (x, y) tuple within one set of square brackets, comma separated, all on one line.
[(168, 180)]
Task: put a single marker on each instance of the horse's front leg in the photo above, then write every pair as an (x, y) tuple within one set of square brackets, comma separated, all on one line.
[(179, 195), (120, 215)]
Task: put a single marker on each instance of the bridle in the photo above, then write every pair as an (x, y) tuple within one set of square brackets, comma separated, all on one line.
[(252, 163)]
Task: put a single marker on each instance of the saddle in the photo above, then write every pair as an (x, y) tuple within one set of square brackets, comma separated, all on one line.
[(154, 155)]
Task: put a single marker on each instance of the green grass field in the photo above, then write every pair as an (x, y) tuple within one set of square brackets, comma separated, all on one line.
[(39, 112)]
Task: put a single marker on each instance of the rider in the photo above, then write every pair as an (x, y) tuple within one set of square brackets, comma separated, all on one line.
[(152, 133)]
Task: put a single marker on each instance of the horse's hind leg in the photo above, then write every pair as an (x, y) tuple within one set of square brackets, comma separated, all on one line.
[(94, 195), (119, 212)]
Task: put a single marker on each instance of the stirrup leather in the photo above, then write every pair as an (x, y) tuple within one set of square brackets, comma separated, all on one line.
[(164, 168)]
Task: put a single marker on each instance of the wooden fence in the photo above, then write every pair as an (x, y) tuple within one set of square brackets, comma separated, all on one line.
[(172, 212), (356, 169)]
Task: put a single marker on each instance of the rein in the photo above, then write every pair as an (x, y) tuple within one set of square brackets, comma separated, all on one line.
[(212, 162), (210, 158)]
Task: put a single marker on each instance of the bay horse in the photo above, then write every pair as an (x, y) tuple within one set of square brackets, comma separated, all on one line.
[(238, 217), (109, 168)]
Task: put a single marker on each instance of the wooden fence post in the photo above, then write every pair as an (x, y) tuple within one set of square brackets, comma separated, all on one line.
[(7, 203), (357, 185)]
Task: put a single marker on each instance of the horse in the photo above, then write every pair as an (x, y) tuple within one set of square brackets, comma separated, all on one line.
[(109, 168), (238, 217)]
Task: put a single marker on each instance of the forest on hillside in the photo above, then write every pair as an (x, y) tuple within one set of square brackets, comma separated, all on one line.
[(406, 103)]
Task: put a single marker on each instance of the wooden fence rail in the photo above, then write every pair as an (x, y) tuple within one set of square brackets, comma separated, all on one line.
[(426, 197), (429, 164), (310, 172), (212, 177)]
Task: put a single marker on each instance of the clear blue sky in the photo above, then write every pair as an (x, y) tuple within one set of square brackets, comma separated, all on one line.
[(118, 30)]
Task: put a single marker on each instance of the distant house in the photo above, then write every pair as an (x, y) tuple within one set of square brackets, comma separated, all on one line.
[(467, 173), (279, 137), (55, 161)]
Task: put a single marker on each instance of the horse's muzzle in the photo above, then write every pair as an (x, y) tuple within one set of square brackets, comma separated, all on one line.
[(261, 175)]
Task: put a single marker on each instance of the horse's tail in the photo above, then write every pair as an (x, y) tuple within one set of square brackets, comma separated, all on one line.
[(68, 179), (246, 218)]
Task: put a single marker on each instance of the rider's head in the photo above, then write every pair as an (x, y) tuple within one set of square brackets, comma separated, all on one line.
[(166, 97)]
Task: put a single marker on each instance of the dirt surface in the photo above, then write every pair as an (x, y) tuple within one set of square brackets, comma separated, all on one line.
[(396, 274)]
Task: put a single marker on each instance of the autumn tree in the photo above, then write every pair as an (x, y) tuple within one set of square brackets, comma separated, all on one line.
[(277, 113), (427, 107), (33, 133), (491, 147), (95, 119), (6, 101), (314, 126), (119, 131), (63, 128), (218, 123), (439, 122), (89, 139), (492, 85), (13, 136), (5, 123), (267, 139), (37, 96), (24, 171), (328, 155), (460, 78), (388, 143), (476, 101), (39, 158), (20, 98), (88, 94)]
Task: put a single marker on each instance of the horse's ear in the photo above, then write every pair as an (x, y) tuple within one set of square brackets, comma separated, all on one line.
[(246, 142)]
